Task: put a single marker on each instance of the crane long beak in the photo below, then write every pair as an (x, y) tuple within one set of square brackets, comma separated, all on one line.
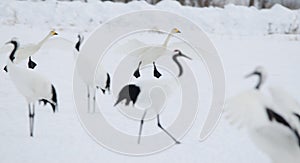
[(183, 55), (53, 33), (249, 75)]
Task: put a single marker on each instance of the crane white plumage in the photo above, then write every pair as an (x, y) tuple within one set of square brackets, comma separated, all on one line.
[(151, 54), (272, 123), (31, 85), (26, 51), (139, 93), (148, 54), (101, 80)]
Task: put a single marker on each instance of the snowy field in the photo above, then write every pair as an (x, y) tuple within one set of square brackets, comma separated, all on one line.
[(240, 35)]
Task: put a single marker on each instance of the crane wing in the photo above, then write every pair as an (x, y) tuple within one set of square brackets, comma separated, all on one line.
[(247, 109), (168, 85), (284, 100), (287, 104)]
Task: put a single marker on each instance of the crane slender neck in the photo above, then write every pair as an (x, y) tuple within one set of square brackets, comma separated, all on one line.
[(44, 40), (167, 40), (79, 42), (12, 54), (259, 80)]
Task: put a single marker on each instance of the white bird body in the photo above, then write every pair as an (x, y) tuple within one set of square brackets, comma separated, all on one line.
[(149, 54), (291, 107), (30, 49), (31, 85), (247, 105), (270, 121), (151, 95), (277, 142), (284, 100), (26, 51), (168, 85), (248, 110), (146, 54), (101, 77), (100, 80)]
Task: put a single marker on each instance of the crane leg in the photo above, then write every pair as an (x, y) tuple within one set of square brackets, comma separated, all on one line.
[(155, 72), (136, 73), (94, 100), (159, 125), (141, 126), (31, 118), (88, 98)]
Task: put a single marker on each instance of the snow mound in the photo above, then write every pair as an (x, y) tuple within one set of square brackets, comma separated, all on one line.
[(232, 20)]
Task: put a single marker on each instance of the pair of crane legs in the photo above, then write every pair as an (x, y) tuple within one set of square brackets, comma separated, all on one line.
[(93, 100), (155, 72), (158, 124), (103, 89), (93, 93), (31, 111)]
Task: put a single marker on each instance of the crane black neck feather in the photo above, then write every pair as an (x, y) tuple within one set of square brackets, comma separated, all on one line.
[(259, 79), (12, 54), (79, 42), (77, 46)]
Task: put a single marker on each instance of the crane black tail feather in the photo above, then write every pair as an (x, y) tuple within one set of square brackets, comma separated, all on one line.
[(272, 115)]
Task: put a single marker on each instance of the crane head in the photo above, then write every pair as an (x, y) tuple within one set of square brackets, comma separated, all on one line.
[(13, 41), (179, 53), (53, 33), (261, 73), (175, 30), (259, 70)]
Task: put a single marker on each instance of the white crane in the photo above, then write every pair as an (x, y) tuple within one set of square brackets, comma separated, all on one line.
[(31, 85), (27, 51), (139, 91), (149, 55), (272, 123), (101, 81)]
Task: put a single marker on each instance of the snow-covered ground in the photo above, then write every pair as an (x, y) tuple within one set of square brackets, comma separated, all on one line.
[(84, 17), (239, 34)]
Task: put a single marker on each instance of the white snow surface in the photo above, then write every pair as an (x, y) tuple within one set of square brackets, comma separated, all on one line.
[(232, 20), (240, 35)]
